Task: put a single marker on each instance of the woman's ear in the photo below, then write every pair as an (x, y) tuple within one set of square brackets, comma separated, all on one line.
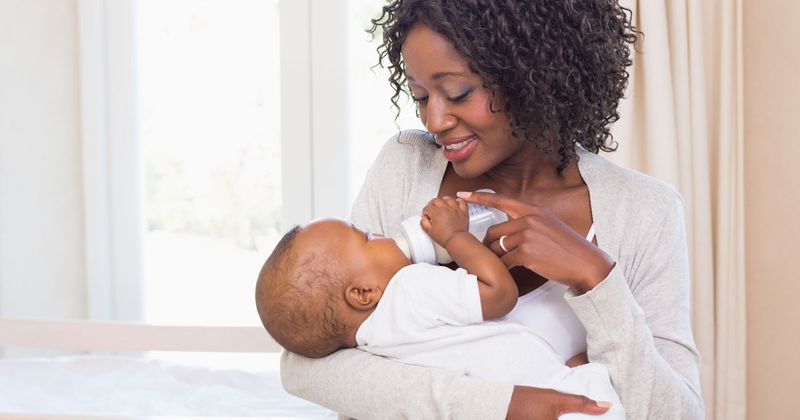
[(362, 295)]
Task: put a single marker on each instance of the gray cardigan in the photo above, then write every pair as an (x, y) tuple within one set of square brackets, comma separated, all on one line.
[(637, 320)]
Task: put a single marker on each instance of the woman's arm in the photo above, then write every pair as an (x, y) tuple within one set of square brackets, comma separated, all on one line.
[(360, 385), (642, 333), (356, 383)]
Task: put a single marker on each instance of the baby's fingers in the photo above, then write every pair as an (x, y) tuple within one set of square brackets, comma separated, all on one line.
[(425, 222), (435, 202), (462, 205)]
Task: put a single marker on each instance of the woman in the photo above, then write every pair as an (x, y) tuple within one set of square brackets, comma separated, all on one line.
[(517, 96)]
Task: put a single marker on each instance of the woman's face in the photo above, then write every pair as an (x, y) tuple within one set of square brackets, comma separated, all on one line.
[(454, 105)]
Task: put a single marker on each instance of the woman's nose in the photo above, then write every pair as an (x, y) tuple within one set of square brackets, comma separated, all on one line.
[(437, 117)]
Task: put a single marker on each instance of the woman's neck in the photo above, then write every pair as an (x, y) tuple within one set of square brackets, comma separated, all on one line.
[(532, 170)]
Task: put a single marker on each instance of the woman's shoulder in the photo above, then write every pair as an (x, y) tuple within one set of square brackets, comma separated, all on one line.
[(405, 175), (410, 153), (615, 183), (627, 204), (409, 143)]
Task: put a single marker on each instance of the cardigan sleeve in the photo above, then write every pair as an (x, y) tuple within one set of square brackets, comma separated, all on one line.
[(357, 384), (361, 385), (640, 328)]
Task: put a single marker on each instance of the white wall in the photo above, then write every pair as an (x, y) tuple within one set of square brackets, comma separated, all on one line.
[(41, 214)]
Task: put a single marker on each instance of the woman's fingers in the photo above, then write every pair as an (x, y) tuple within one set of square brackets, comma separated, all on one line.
[(581, 404), (509, 228), (513, 208), (503, 244), (547, 404), (538, 240), (515, 259), (510, 253)]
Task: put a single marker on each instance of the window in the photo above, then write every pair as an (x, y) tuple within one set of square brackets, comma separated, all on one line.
[(209, 97), (208, 100), (371, 114)]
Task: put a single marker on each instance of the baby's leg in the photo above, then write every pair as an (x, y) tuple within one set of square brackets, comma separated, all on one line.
[(591, 380)]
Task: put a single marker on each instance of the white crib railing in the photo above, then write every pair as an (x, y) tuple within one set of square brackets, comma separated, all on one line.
[(132, 337)]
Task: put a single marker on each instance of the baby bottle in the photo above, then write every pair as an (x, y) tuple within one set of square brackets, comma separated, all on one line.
[(420, 248)]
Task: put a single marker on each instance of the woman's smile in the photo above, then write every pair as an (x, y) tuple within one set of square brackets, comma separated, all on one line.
[(458, 149)]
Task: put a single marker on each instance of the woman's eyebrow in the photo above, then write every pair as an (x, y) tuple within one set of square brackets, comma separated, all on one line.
[(442, 74), (439, 75)]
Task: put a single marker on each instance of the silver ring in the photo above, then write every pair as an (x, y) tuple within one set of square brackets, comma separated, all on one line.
[(502, 245)]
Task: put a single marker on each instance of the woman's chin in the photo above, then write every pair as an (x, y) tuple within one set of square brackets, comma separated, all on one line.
[(466, 171)]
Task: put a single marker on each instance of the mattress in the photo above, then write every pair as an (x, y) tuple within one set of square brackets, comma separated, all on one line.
[(150, 385)]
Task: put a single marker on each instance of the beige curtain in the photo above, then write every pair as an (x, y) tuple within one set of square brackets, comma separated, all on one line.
[(681, 122)]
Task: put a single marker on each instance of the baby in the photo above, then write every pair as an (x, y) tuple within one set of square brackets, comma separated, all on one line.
[(328, 285)]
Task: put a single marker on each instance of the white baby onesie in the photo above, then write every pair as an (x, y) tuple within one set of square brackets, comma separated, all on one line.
[(431, 316)]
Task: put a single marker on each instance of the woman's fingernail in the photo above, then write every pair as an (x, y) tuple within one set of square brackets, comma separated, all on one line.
[(603, 404), (463, 194)]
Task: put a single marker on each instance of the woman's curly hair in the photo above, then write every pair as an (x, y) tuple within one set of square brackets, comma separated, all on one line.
[(560, 66)]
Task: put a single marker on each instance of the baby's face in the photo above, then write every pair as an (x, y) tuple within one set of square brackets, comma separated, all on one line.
[(357, 250)]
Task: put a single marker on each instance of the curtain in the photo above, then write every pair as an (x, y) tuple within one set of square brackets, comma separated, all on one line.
[(681, 121)]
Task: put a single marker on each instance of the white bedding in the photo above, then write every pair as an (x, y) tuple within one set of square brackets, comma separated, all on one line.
[(149, 386)]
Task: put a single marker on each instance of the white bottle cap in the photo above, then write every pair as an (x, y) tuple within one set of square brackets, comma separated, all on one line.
[(420, 245), (402, 243)]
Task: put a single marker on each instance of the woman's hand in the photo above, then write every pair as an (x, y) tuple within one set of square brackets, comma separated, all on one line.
[(539, 241), (546, 404)]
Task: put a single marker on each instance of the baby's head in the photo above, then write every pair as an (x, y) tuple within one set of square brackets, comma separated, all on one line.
[(321, 282)]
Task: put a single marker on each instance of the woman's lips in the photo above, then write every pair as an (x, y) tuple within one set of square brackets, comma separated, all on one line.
[(456, 152)]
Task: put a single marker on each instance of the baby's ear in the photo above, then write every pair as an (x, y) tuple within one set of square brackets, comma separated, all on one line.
[(362, 296)]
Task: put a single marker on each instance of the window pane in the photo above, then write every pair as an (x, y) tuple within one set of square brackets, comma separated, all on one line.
[(209, 87), (372, 116)]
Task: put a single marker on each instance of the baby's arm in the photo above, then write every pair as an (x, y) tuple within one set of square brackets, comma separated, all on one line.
[(446, 221)]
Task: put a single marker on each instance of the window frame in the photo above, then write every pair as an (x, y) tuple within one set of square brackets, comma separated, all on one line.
[(112, 183), (313, 105)]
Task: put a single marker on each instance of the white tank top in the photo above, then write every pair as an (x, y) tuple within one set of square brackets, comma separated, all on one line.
[(546, 312)]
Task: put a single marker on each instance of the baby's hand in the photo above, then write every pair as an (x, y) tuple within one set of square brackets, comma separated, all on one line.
[(443, 217)]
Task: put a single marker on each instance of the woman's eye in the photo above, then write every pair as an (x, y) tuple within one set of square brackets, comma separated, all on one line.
[(422, 100), (462, 97), (419, 100)]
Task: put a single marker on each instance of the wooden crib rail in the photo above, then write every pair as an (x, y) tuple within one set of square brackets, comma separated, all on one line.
[(132, 337)]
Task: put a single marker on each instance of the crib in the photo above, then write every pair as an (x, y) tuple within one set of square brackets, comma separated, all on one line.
[(118, 370)]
